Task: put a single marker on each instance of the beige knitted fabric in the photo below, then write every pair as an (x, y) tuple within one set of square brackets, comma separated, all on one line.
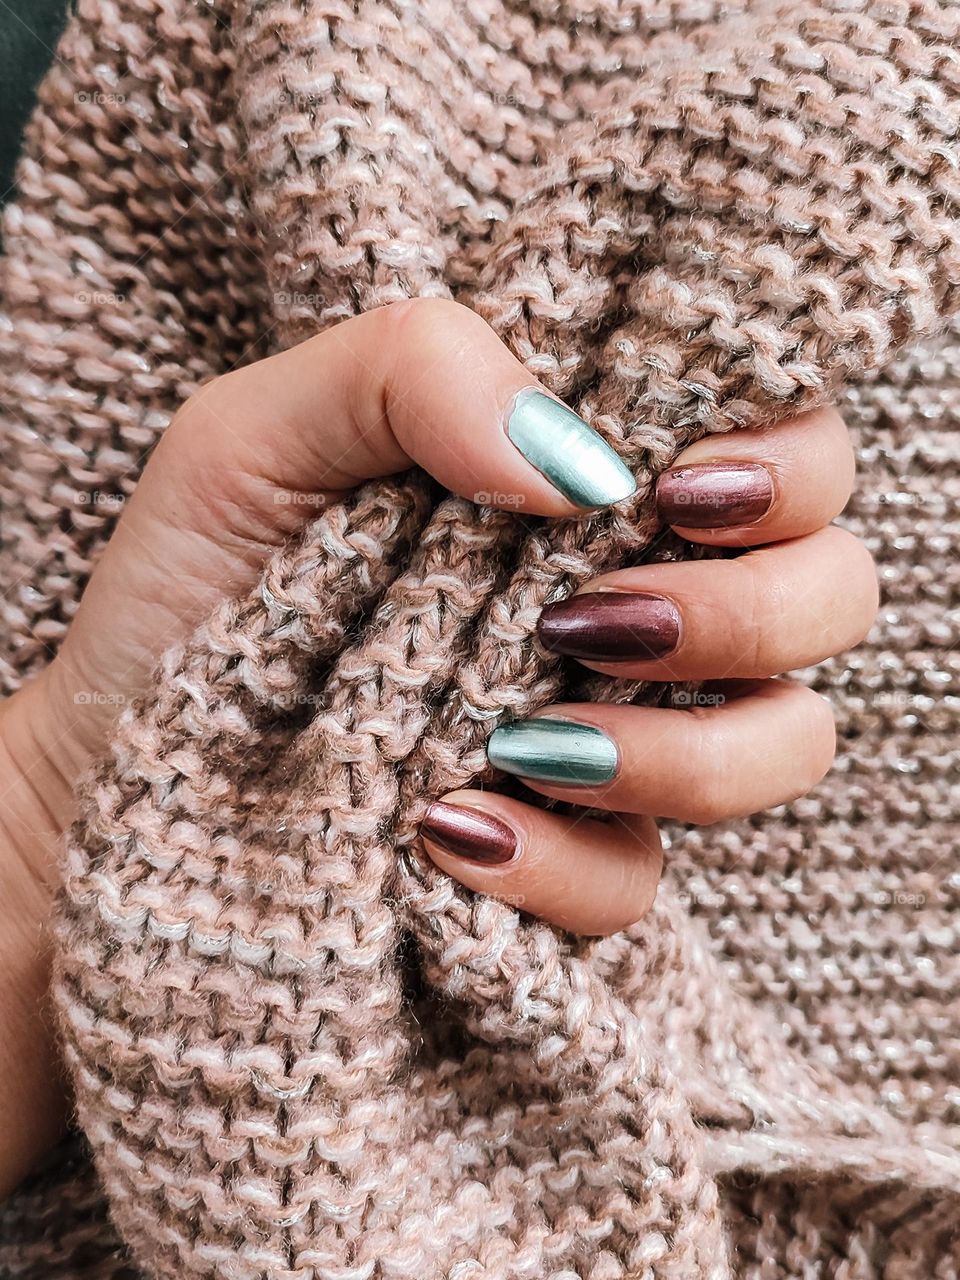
[(299, 1052)]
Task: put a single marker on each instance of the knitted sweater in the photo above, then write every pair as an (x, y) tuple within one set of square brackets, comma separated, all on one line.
[(299, 1051)]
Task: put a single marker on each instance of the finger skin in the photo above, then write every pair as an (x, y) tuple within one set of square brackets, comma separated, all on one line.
[(737, 750), (425, 381), (257, 453), (810, 464), (772, 610), (590, 877)]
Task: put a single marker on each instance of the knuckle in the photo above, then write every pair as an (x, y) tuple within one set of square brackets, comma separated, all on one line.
[(645, 895), (204, 406), (834, 419), (808, 737), (857, 597), (638, 909), (229, 503), (196, 437), (831, 440), (837, 460), (817, 467), (637, 892), (817, 732), (418, 336), (846, 453), (709, 779), (645, 865), (822, 715), (864, 577), (831, 422), (761, 614), (421, 329)]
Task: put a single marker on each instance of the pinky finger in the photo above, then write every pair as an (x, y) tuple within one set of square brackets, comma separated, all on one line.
[(586, 876)]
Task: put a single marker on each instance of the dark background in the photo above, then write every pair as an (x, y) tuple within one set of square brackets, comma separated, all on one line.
[(29, 31)]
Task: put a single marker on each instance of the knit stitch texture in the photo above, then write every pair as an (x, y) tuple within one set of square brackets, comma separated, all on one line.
[(299, 1051)]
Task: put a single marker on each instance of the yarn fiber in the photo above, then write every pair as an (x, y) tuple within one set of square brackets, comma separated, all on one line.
[(299, 1051)]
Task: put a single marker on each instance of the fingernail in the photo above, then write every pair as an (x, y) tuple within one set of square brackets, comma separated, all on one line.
[(611, 626), (715, 495), (469, 833), (557, 751), (568, 452)]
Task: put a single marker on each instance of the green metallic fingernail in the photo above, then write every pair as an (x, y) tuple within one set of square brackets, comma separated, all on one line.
[(567, 452), (556, 751)]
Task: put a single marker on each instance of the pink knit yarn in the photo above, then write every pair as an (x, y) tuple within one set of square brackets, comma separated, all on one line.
[(299, 1052)]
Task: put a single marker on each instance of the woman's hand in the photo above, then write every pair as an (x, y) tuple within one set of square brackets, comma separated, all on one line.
[(802, 592), (250, 458)]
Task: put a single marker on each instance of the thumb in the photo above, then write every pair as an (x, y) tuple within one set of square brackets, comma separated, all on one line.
[(254, 454)]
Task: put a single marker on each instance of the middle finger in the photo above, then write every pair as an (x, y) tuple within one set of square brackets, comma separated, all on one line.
[(771, 610)]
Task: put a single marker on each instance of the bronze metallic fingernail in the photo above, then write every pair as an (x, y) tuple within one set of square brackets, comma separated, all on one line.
[(715, 495), (469, 833), (611, 626)]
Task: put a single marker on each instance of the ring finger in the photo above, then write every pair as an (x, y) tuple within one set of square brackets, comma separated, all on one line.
[(739, 748)]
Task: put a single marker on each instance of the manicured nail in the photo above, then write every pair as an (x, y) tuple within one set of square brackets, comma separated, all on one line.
[(568, 452), (556, 751), (469, 833), (715, 495), (611, 626)]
